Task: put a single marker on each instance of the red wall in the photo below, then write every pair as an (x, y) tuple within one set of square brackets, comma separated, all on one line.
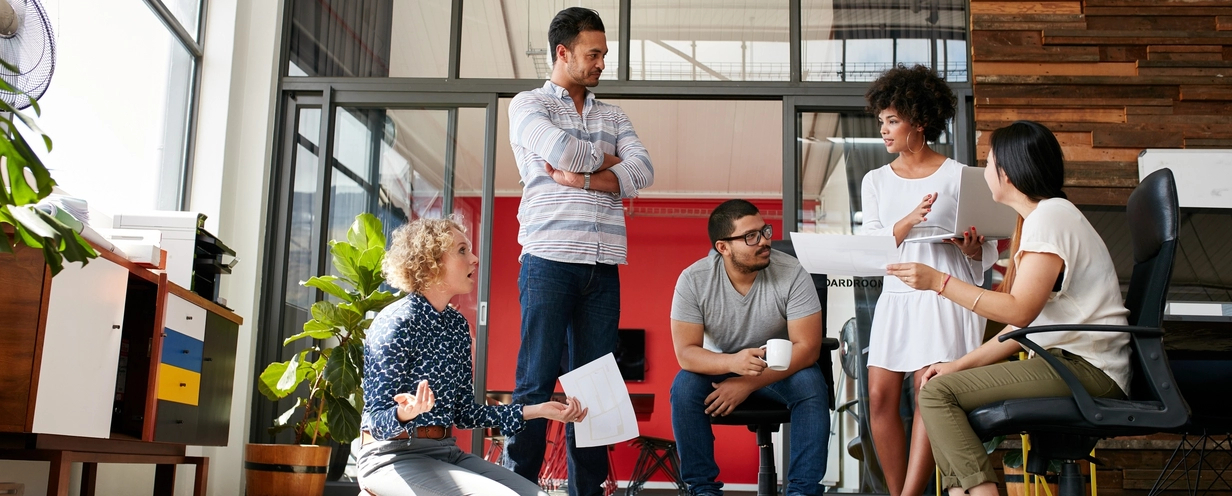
[(660, 247)]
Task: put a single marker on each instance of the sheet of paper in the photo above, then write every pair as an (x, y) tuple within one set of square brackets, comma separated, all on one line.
[(599, 386), (844, 255)]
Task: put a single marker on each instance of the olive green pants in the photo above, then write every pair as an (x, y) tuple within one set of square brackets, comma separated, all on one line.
[(946, 399)]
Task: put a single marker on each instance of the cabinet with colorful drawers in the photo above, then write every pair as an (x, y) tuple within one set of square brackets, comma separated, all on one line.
[(195, 369), (112, 350)]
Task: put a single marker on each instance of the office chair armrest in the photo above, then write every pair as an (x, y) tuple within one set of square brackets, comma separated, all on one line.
[(1082, 398), (829, 344), (1086, 404), (1135, 330)]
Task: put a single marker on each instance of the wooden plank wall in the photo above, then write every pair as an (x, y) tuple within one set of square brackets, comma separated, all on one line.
[(1109, 77)]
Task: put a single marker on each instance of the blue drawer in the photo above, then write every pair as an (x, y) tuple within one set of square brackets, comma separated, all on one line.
[(182, 351)]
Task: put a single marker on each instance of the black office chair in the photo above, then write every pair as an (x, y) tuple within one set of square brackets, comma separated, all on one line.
[(1067, 428), (765, 416)]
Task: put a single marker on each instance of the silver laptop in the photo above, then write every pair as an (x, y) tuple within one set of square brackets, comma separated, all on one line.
[(976, 207)]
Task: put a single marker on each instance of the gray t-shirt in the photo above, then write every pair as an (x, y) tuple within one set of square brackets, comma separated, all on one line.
[(782, 292)]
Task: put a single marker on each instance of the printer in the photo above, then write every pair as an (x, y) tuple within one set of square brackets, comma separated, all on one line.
[(196, 259)]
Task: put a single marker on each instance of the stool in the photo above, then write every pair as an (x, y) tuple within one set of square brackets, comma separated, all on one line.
[(655, 455)]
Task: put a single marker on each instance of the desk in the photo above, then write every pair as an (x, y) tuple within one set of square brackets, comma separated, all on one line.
[(62, 451), (1200, 353)]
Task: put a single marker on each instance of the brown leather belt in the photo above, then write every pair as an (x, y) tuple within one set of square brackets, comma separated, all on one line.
[(424, 432)]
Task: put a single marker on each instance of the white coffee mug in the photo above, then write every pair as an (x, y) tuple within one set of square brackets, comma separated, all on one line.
[(778, 354)]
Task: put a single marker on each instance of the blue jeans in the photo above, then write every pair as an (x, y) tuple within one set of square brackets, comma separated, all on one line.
[(570, 313), (804, 393)]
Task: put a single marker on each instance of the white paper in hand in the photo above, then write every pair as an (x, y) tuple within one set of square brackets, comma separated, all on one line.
[(599, 386), (844, 254)]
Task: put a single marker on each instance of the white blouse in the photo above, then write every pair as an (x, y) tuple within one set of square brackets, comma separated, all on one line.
[(1090, 292)]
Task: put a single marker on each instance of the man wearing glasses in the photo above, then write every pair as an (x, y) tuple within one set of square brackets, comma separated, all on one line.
[(726, 306)]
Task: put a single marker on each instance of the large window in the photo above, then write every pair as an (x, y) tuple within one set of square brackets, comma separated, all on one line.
[(123, 109), (508, 39), (854, 40), (695, 40)]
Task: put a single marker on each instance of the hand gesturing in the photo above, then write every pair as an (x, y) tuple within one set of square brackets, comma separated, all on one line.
[(411, 405)]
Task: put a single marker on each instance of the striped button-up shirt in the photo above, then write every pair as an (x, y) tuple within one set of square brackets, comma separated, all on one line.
[(567, 224)]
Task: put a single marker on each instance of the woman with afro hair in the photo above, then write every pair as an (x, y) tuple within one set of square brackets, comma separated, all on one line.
[(914, 329)]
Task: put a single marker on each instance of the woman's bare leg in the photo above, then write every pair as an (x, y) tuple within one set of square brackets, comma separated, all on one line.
[(885, 388), (920, 465)]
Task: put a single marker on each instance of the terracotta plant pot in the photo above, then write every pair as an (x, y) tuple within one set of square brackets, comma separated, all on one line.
[(278, 469)]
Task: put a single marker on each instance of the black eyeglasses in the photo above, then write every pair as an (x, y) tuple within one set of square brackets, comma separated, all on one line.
[(753, 238)]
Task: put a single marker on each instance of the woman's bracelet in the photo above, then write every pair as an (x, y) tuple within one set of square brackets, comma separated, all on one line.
[(943, 283), (970, 256), (977, 299)]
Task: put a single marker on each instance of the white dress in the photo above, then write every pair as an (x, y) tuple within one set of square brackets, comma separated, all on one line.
[(913, 329)]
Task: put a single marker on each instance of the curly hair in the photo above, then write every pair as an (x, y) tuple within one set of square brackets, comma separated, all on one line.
[(413, 261), (919, 96)]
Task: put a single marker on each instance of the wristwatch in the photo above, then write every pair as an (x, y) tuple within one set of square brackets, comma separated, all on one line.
[(586, 180)]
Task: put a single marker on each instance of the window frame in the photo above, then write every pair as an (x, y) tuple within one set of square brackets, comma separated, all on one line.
[(180, 199)]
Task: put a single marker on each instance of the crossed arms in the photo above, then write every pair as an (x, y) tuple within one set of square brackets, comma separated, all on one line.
[(566, 158)]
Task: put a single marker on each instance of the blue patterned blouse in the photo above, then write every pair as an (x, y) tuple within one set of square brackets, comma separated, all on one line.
[(410, 341)]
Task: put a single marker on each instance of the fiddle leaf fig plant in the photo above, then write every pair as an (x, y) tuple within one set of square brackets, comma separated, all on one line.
[(26, 181), (331, 369)]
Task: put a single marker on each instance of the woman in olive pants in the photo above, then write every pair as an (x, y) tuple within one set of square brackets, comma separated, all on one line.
[(1060, 273)]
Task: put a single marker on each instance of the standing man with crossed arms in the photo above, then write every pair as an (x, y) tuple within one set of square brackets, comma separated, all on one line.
[(577, 158)]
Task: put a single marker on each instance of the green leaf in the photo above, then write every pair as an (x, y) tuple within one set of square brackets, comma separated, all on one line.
[(366, 232), (327, 313), (29, 122), (992, 444), (30, 160), (311, 333), (6, 244), (345, 258), (327, 284), (1012, 459), (281, 378), (316, 428), (343, 419), (269, 378), (378, 300), (368, 271), (343, 371), (25, 236), (339, 316)]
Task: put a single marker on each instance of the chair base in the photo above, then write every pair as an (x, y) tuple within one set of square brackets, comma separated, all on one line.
[(767, 478)]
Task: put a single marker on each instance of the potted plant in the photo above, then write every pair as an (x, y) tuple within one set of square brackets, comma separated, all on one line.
[(26, 181), (330, 400), (1011, 465)]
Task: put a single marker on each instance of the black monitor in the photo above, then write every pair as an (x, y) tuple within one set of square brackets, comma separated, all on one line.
[(631, 354), (1202, 271)]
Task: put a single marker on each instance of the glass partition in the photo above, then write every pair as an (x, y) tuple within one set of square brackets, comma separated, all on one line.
[(508, 39), (368, 38), (696, 40), (851, 40)]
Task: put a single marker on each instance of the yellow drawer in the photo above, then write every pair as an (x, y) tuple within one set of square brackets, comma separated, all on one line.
[(178, 385)]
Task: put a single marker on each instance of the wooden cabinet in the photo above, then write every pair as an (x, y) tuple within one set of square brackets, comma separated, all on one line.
[(112, 350)]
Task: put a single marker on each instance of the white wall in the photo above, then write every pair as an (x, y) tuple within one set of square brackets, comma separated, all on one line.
[(230, 184)]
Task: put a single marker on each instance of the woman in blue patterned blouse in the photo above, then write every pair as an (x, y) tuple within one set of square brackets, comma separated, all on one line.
[(418, 382)]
